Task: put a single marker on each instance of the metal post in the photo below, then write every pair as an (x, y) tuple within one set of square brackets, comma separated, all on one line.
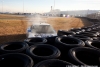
[(54, 8), (2, 6), (23, 6)]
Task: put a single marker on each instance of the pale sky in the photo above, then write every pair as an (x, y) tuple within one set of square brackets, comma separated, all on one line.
[(45, 5)]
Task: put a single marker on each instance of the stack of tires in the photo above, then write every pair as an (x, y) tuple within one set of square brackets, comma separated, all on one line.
[(86, 53), (45, 53), (74, 47), (32, 52), (12, 54)]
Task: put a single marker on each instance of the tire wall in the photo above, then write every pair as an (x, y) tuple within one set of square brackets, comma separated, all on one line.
[(67, 48)]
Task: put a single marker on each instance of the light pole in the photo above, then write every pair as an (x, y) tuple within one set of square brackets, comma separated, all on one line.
[(54, 8), (23, 6), (2, 6)]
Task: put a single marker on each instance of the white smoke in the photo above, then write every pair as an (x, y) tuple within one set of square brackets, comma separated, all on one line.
[(35, 19)]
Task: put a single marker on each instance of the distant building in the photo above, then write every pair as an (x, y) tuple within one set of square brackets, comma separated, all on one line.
[(54, 13), (69, 13)]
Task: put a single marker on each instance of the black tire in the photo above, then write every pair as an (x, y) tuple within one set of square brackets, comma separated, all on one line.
[(88, 34), (83, 38), (15, 60), (77, 30), (65, 44), (84, 56), (80, 29), (51, 40), (96, 38), (96, 30), (0, 53), (93, 32), (80, 36), (83, 29), (86, 29), (13, 47), (93, 44), (41, 52), (63, 32), (32, 41), (53, 63), (69, 42), (93, 28)]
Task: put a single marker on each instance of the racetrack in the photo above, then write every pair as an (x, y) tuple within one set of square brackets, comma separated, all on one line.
[(68, 23)]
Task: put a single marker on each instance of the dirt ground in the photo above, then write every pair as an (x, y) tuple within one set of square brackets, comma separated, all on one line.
[(13, 28), (68, 23)]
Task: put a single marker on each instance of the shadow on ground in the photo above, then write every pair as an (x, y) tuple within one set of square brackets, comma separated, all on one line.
[(11, 38), (88, 21)]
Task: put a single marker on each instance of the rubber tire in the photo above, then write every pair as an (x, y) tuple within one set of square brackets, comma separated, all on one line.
[(89, 29), (51, 40), (15, 60), (93, 32), (93, 44), (32, 41), (80, 36), (88, 34), (80, 43), (19, 47), (83, 38), (95, 38), (84, 56), (86, 29), (65, 47), (53, 63), (63, 32), (38, 56), (98, 32), (76, 30)]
